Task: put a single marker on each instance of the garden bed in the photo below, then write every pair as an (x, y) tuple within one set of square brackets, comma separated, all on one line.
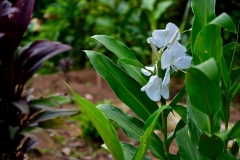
[(74, 145)]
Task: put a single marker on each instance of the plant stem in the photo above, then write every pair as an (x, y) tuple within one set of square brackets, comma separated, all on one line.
[(164, 129), (210, 124), (229, 84)]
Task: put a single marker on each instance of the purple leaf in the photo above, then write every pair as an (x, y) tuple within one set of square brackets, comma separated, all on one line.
[(6, 8), (7, 48), (32, 58), (21, 19), (28, 144)]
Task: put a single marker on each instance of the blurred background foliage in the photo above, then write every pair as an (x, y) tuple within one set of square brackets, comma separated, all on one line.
[(130, 21)]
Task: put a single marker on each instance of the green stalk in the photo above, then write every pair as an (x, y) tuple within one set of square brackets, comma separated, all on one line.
[(210, 125), (229, 86), (164, 129)]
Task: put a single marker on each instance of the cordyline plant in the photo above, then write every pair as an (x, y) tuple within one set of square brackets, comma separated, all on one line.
[(211, 82), (23, 120)]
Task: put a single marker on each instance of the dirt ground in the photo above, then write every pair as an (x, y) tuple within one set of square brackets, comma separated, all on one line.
[(87, 84)]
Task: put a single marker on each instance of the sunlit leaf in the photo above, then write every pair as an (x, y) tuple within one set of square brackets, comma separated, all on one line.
[(130, 150), (148, 131), (131, 62), (103, 126), (235, 131), (225, 21), (125, 87), (122, 51), (208, 43), (132, 127)]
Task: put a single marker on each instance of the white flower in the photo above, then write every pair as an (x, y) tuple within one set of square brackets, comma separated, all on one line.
[(163, 37), (155, 89), (174, 57), (146, 72)]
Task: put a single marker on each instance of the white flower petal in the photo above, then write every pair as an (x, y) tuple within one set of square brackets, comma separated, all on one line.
[(171, 30), (165, 91), (146, 72), (183, 63), (152, 88), (177, 50), (166, 59), (166, 79), (159, 37)]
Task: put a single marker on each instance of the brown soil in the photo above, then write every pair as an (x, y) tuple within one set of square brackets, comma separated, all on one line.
[(86, 83)]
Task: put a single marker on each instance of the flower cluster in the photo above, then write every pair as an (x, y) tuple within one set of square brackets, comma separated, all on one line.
[(171, 55)]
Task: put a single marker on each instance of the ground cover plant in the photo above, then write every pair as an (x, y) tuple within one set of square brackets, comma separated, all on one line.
[(211, 82), (25, 121)]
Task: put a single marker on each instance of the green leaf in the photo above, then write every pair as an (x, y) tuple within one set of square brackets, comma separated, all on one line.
[(204, 94), (199, 120), (178, 97), (172, 135), (187, 149), (181, 111), (13, 131), (161, 8), (148, 4), (235, 131), (129, 151), (208, 43), (131, 62), (225, 21), (122, 51), (50, 114), (55, 124), (51, 101), (235, 76), (204, 12), (224, 71), (234, 90), (226, 156), (228, 47), (132, 127), (210, 146), (209, 68), (149, 128), (126, 88), (103, 126)]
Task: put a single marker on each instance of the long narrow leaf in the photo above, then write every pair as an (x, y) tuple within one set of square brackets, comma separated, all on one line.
[(132, 127), (122, 51), (149, 128), (125, 87), (103, 126), (186, 147)]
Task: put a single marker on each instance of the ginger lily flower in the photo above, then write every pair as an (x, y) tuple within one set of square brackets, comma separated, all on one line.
[(146, 71), (174, 57), (163, 37), (155, 89)]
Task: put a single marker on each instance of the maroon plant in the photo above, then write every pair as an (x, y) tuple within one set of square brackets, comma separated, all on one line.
[(20, 117)]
